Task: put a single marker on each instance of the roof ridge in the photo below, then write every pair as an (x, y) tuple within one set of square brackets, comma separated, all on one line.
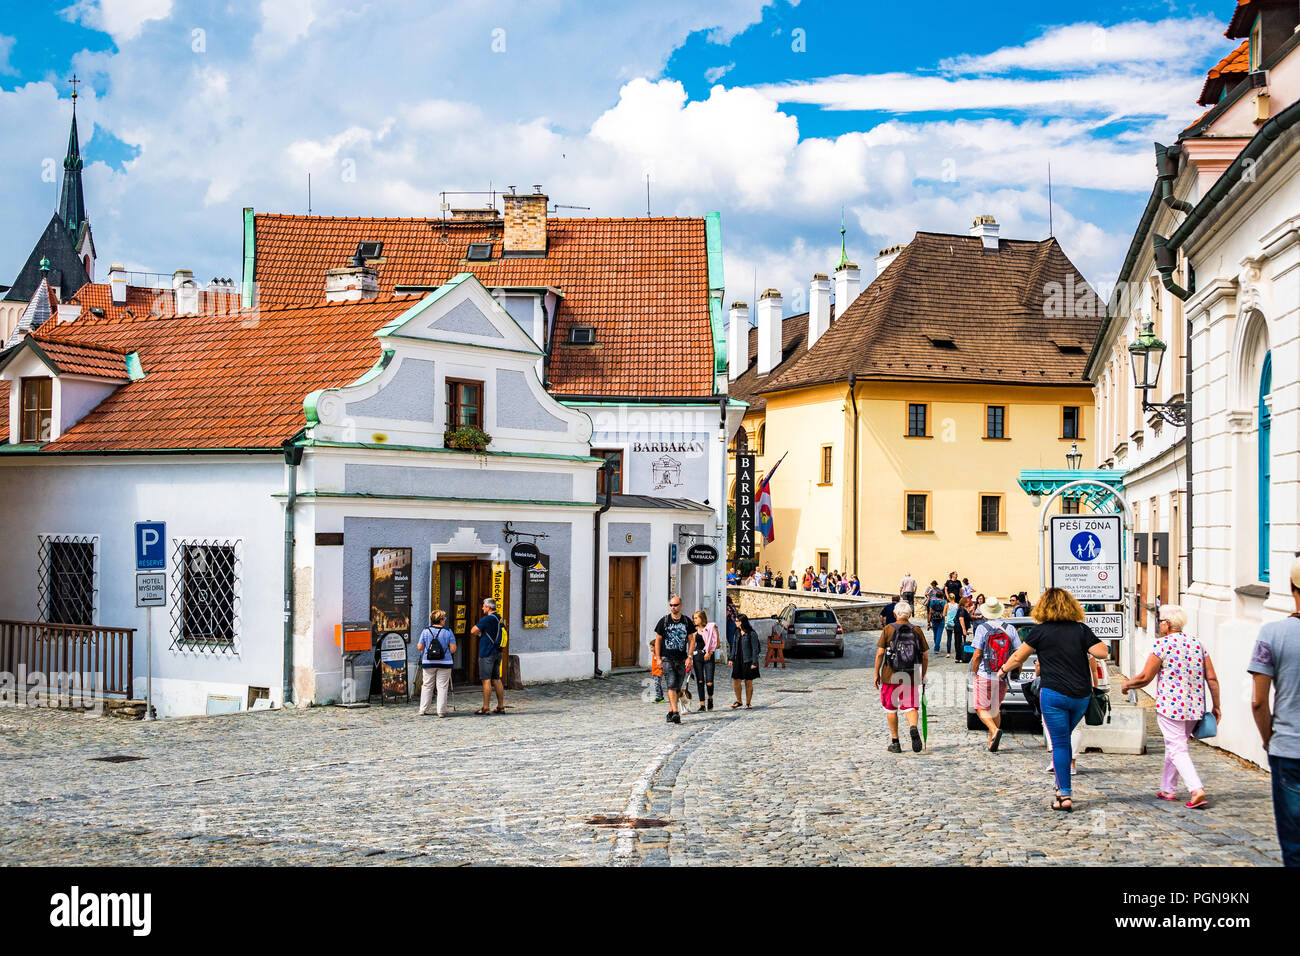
[(478, 223)]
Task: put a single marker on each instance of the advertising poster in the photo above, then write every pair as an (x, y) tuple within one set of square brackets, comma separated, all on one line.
[(392, 667), (390, 591), (537, 592)]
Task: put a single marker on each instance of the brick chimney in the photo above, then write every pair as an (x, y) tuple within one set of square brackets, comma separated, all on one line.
[(848, 280), (186, 292), (986, 227), (819, 307), (525, 223), (738, 341), (770, 307), (352, 283)]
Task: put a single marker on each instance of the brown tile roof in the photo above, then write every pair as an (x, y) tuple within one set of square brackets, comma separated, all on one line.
[(1228, 70), (1243, 18), (72, 357), (220, 381), (794, 335), (642, 283), (991, 305), (4, 416)]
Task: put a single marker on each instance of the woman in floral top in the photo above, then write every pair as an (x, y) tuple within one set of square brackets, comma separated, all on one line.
[(1185, 671)]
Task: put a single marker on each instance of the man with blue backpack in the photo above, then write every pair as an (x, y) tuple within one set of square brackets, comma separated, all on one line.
[(436, 646)]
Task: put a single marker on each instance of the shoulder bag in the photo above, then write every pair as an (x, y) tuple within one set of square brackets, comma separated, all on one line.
[(1098, 708), (1208, 725)]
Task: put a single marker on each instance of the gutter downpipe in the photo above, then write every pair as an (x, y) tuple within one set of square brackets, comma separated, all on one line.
[(292, 459), (595, 573), (853, 397)]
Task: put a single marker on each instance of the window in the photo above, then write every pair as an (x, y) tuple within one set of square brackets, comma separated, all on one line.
[(917, 420), (464, 404), (1069, 506), (995, 421), (918, 507), (66, 579), (823, 560), (1265, 414), (990, 514), (37, 403), (826, 464), (1070, 422), (205, 594), (479, 251), (369, 249), (741, 442), (1254, 54), (615, 457), (762, 437), (582, 335)]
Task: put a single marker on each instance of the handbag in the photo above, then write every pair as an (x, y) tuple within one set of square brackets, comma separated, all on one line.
[(1031, 690), (1098, 708), (1208, 725)]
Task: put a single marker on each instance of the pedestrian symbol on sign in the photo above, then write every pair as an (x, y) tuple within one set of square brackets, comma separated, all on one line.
[(1085, 546)]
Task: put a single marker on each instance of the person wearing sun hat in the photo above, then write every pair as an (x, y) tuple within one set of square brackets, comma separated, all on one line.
[(994, 644), (1275, 668)]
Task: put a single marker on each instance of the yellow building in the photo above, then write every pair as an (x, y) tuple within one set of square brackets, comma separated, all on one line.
[(916, 409)]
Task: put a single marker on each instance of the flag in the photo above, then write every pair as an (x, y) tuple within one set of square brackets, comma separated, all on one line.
[(764, 501)]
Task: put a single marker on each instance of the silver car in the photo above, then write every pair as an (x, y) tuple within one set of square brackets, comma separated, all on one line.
[(810, 628), (1015, 701)]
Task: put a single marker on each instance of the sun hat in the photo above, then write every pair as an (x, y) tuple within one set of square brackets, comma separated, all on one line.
[(992, 608), (1295, 572)]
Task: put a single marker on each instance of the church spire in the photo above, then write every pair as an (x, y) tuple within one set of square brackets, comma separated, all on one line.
[(844, 252), (72, 198)]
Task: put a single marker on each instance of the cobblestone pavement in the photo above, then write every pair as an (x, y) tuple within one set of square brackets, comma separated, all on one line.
[(803, 778)]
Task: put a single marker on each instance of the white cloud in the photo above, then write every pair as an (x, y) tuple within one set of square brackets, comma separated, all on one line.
[(120, 19), (715, 73), (6, 49)]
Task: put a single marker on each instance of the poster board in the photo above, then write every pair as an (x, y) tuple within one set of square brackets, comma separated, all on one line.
[(390, 591), (393, 683), (537, 592), (1085, 556)]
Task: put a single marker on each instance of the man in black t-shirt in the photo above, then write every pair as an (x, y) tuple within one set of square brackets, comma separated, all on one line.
[(489, 630), (674, 642)]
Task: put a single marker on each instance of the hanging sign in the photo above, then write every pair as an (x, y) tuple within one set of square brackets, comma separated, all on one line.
[(1085, 556), (537, 593), (702, 554), (392, 668), (744, 506), (390, 591), (524, 554)]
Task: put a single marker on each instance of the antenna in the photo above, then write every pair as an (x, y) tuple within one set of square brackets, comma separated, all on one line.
[(647, 195), (1050, 230), (309, 194)]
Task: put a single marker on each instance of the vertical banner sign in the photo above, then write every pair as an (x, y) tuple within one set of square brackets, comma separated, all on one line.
[(744, 506), (390, 591), (537, 592), (499, 595)]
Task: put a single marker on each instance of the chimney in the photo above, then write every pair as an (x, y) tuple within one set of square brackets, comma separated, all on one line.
[(186, 292), (353, 283), (770, 307), (986, 227), (477, 214), (117, 283), (738, 341), (819, 307), (848, 279), (525, 223), (887, 255)]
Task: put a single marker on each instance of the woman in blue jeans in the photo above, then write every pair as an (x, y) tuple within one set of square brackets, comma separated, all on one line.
[(1063, 644)]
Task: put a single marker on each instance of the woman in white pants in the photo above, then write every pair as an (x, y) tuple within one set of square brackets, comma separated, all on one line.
[(436, 667), (1186, 671)]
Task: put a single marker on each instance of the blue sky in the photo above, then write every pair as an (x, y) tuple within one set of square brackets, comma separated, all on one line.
[(911, 116)]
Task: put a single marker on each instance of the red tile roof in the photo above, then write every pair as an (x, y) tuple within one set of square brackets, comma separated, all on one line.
[(1228, 70), (4, 416), (142, 301), (81, 358), (219, 381), (993, 307), (1243, 18), (642, 283)]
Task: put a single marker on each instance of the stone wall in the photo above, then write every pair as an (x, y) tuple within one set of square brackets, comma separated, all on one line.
[(855, 613)]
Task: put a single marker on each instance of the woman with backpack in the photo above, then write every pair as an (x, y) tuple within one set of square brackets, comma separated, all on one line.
[(1186, 675), (437, 646), (994, 645), (1063, 643), (745, 661)]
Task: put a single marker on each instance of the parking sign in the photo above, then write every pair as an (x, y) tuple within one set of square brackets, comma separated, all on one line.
[(150, 545), (1086, 557)]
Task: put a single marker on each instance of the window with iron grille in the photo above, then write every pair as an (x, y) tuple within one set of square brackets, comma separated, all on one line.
[(67, 579), (916, 420), (916, 508), (990, 514), (206, 593)]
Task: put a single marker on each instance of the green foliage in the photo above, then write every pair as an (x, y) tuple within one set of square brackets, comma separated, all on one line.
[(467, 438)]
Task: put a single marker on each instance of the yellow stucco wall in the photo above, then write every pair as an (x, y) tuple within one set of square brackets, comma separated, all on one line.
[(954, 466)]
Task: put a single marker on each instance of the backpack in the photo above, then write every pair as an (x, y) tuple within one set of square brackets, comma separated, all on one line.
[(904, 649), (434, 650), (997, 647), (937, 605)]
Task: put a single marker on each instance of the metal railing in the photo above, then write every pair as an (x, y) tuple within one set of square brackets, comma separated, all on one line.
[(101, 656)]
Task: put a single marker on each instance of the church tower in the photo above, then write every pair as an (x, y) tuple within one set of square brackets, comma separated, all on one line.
[(72, 197)]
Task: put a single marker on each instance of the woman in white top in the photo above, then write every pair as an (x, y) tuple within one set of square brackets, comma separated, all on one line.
[(1185, 672)]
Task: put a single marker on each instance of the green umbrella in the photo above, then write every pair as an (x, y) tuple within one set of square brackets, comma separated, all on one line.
[(925, 719)]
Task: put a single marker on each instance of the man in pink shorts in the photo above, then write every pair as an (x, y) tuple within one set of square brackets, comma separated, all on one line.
[(902, 656)]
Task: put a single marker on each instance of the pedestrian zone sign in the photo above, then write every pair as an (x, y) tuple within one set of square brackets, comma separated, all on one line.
[(1085, 555)]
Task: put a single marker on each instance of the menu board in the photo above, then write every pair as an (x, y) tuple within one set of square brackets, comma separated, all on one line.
[(537, 592)]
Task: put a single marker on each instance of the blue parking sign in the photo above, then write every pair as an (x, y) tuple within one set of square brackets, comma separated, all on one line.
[(150, 545)]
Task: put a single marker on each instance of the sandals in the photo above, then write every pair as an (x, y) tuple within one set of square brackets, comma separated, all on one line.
[(482, 710), (1171, 797), (993, 744), (499, 710), (1199, 804), (1062, 803), (736, 704)]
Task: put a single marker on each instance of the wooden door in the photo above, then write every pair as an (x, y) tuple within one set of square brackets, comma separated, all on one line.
[(624, 611), (481, 591)]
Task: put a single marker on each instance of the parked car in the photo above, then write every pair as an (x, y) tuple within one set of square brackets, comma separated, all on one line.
[(810, 628), (1015, 702)]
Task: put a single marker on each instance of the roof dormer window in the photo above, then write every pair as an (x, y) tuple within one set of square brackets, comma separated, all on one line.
[(1256, 55), (37, 410)]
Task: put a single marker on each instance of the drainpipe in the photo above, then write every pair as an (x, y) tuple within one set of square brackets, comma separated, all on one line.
[(853, 397), (292, 459), (1187, 438), (595, 571), (1166, 173)]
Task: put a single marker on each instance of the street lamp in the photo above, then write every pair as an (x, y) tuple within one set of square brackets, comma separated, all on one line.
[(1074, 457), (1146, 356)]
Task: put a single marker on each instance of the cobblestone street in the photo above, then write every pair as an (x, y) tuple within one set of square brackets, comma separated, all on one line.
[(803, 778)]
